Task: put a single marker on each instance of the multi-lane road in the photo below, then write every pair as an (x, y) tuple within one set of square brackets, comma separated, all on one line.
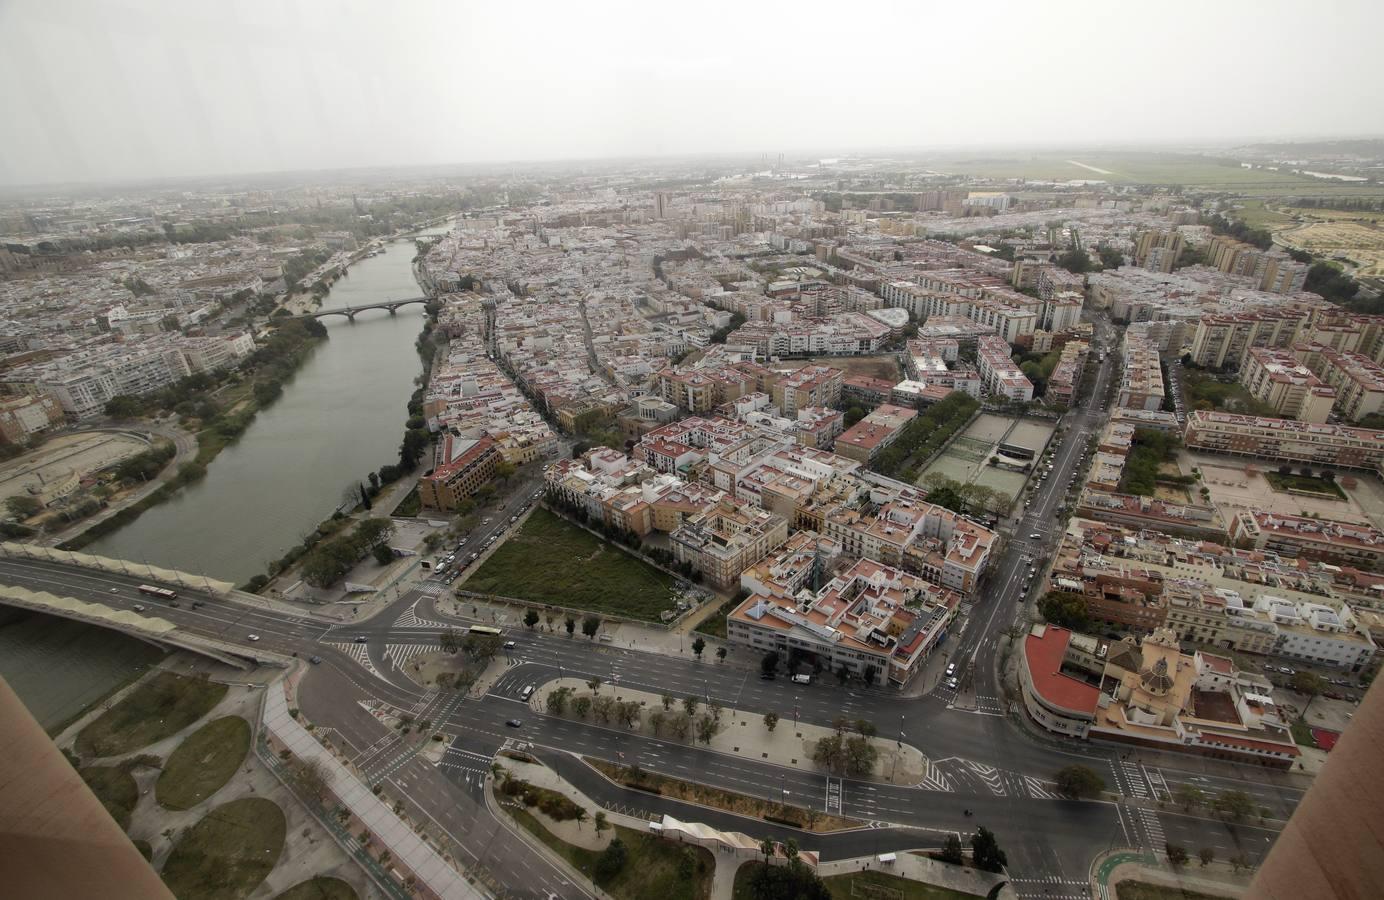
[(979, 761)]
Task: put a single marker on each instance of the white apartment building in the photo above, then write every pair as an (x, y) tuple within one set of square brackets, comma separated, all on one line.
[(998, 371)]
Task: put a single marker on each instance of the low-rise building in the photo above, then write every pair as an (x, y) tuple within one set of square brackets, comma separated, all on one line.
[(866, 439), (727, 539)]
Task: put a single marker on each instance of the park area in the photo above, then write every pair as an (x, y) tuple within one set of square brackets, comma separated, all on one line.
[(229, 852), (159, 707), (550, 560), (966, 458)]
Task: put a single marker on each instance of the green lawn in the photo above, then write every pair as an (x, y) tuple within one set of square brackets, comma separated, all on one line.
[(653, 871), (157, 708), (715, 623), (203, 762), (1309, 483), (1142, 890), (1302, 734), (115, 788), (321, 888), (228, 853), (553, 561)]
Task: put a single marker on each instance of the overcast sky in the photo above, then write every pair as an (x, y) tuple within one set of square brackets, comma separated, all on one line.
[(138, 88)]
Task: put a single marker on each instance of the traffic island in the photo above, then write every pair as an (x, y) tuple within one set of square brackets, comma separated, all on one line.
[(851, 750)]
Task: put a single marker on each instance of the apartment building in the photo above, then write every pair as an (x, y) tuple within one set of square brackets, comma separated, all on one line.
[(1318, 634), (1272, 270), (1158, 249), (727, 539), (874, 621), (1276, 379), (1357, 379), (1344, 543), (1066, 375), (998, 371), (461, 467), (25, 415), (866, 439), (1223, 340), (1284, 439), (1141, 379), (808, 386)]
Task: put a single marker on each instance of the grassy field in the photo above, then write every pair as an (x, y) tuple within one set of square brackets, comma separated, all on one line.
[(653, 870), (1142, 890), (320, 888), (203, 762), (1280, 482), (1147, 168), (553, 561), (1256, 214), (228, 853), (115, 788), (157, 708)]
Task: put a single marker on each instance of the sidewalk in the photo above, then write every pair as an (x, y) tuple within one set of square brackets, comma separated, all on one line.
[(926, 870), (398, 838)]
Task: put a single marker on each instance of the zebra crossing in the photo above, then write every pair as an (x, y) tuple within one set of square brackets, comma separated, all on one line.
[(398, 655), (950, 773), (935, 780), (360, 654), (432, 589), (1052, 887), (1133, 778), (1153, 827), (471, 768), (411, 619), (989, 704)]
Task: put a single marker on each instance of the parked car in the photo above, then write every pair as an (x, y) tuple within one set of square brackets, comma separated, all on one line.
[(315, 660), (515, 723), (802, 679), (254, 637), (139, 607), (953, 683)]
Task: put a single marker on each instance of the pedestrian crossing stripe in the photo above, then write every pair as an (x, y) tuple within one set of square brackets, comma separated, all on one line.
[(360, 654), (411, 619), (400, 654)]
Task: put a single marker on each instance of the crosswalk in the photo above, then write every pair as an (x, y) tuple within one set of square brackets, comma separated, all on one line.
[(398, 655), (1052, 887), (953, 774), (432, 589), (936, 780), (1132, 779), (1153, 827), (411, 619), (360, 654)]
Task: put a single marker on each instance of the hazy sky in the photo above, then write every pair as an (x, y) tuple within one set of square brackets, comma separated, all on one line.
[(137, 88)]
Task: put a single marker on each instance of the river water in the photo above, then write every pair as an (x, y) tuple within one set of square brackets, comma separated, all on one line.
[(340, 418)]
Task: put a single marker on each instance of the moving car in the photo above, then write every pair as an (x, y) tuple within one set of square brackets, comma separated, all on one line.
[(360, 639), (526, 693), (515, 723), (802, 679), (315, 660), (139, 607), (254, 637)]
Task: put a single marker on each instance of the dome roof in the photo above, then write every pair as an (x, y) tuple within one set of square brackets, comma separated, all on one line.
[(1156, 680)]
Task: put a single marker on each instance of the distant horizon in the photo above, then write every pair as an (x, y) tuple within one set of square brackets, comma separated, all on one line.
[(489, 167)]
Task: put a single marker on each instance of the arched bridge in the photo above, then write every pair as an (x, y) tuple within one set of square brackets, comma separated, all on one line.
[(350, 311)]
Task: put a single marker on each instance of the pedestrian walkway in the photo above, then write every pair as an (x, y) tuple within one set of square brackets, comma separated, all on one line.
[(389, 830), (924, 869)]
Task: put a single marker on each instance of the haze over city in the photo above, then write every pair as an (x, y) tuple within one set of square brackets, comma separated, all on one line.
[(153, 88), (613, 451)]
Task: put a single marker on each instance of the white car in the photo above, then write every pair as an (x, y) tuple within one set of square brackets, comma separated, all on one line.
[(139, 607), (254, 637)]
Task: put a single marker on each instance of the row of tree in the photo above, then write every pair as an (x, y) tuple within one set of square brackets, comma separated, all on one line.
[(926, 434), (329, 560)]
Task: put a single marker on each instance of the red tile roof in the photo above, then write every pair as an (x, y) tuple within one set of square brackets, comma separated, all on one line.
[(1045, 653)]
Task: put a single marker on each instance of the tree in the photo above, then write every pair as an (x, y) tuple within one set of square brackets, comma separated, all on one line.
[(1188, 796), (451, 641), (1177, 854), (1065, 609), (698, 646), (124, 406), (581, 706), (706, 729), (1079, 782), (842, 674), (22, 506), (1075, 261), (557, 700), (383, 555), (310, 777), (986, 852), (865, 728), (951, 851), (853, 414), (594, 684), (1207, 855), (531, 619), (1239, 862), (571, 625), (721, 654), (1311, 684), (612, 860), (770, 721), (769, 663), (590, 625), (668, 700), (1234, 804), (680, 724), (601, 823), (690, 704), (548, 620)]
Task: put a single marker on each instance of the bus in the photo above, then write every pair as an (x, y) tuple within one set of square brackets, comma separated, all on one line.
[(161, 593), (483, 629)]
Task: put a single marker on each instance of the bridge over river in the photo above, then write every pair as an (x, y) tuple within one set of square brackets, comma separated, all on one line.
[(350, 311)]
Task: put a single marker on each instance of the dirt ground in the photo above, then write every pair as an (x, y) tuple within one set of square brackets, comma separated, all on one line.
[(884, 366), (1237, 485), (65, 455)]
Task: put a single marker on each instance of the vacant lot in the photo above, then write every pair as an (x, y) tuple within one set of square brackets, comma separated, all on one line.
[(203, 762), (886, 366), (228, 853), (878, 884), (115, 788), (553, 561), (652, 871), (319, 889), (161, 706), (1140, 890), (1360, 241)]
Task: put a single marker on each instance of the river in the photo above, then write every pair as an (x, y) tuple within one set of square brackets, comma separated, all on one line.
[(340, 418)]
